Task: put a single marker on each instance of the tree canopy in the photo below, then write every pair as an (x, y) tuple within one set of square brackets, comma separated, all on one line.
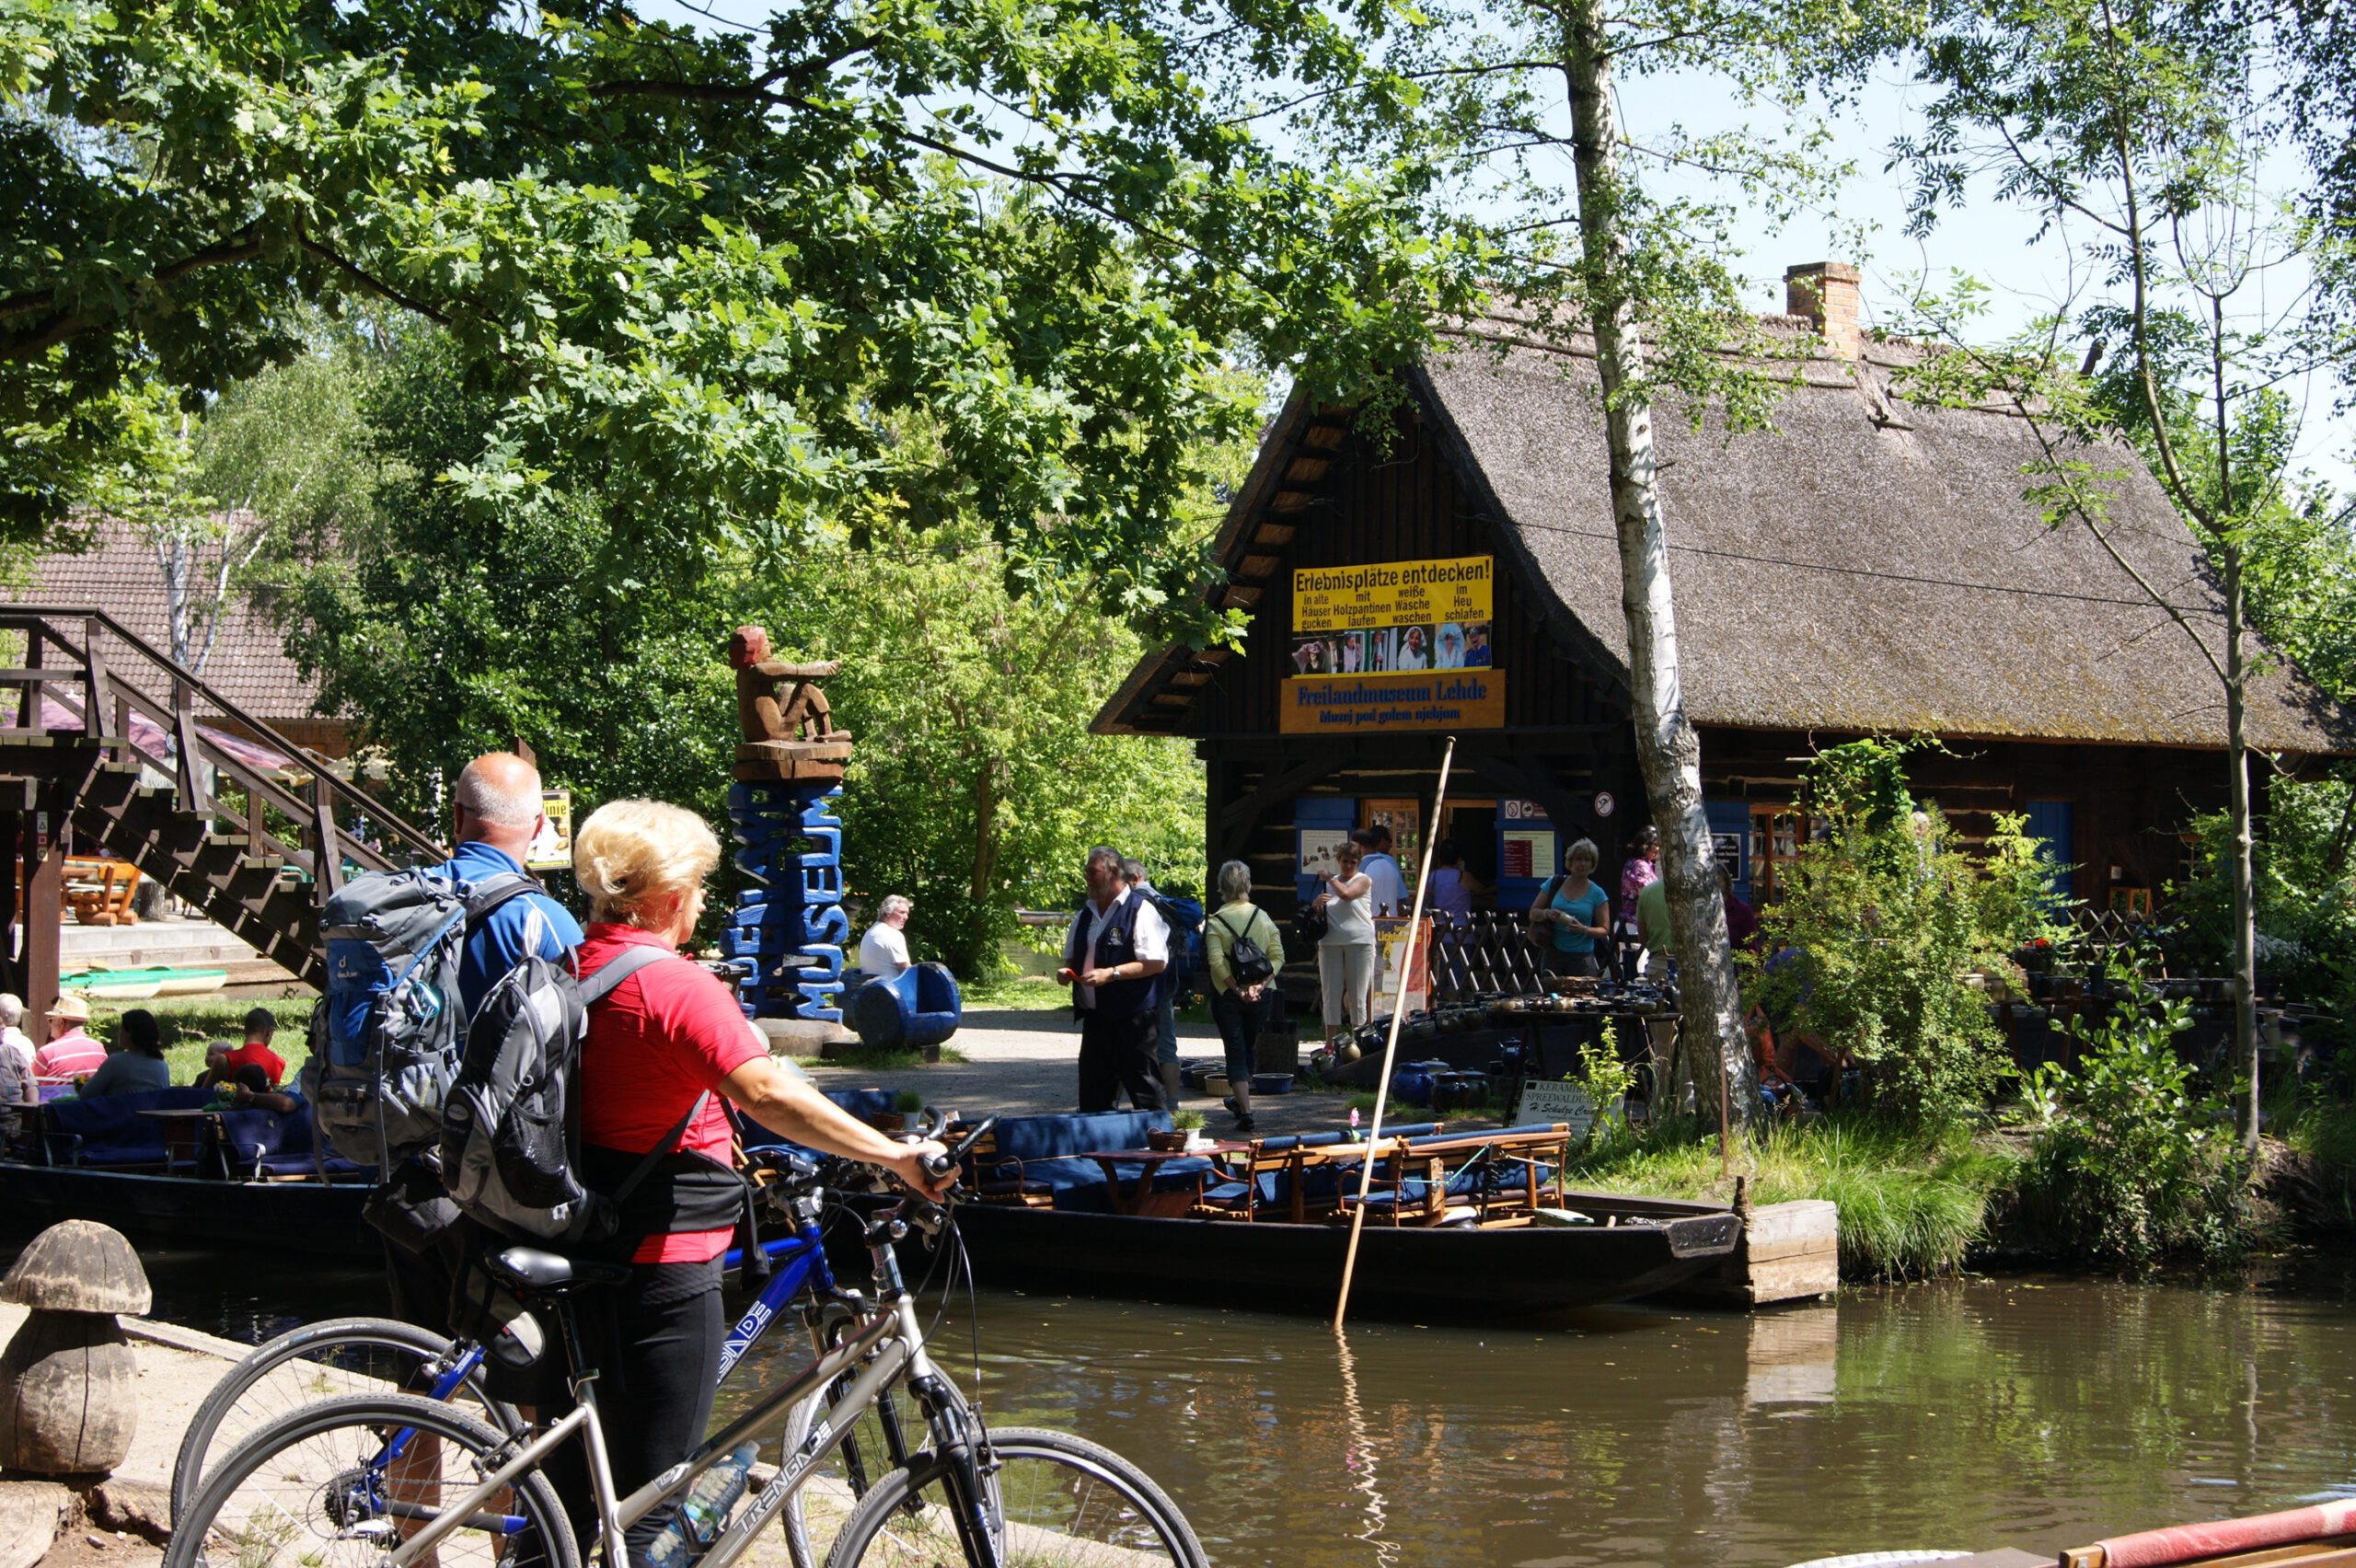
[(708, 271)]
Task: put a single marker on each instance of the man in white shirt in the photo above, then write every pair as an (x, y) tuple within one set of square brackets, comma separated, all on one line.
[(1378, 867), (1114, 954), (884, 951), (11, 1035)]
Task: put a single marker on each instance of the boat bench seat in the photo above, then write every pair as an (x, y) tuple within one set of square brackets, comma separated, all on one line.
[(258, 1145), (863, 1103), (1032, 1152), (109, 1132), (1321, 1183)]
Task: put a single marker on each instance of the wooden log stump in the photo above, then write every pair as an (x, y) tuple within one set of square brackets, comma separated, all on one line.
[(69, 1395), (69, 1381)]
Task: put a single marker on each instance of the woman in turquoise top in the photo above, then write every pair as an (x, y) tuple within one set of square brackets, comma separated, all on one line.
[(1579, 911)]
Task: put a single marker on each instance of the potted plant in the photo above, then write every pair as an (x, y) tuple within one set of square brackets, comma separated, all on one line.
[(1183, 1125)]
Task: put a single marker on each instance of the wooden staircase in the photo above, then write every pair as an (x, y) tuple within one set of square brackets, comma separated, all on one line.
[(115, 754)]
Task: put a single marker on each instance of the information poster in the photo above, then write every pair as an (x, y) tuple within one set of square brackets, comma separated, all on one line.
[(1393, 645), (552, 850), (1390, 939), (1320, 851), (1527, 852)]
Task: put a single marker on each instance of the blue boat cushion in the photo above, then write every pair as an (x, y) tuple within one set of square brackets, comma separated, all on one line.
[(110, 1131), (862, 1103), (268, 1143), (1093, 1197), (1048, 1149)]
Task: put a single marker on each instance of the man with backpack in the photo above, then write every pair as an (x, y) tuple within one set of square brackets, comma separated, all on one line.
[(1184, 919), (495, 814)]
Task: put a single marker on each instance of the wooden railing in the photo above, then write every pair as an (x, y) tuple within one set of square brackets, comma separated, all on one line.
[(302, 829)]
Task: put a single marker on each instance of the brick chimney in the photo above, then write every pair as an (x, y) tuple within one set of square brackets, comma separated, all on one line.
[(1826, 293)]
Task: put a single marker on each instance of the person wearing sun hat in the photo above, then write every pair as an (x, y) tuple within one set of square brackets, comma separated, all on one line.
[(73, 1051)]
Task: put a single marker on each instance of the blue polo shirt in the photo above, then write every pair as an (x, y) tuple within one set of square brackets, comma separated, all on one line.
[(530, 923)]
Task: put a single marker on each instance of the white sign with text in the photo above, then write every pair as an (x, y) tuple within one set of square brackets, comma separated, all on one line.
[(1545, 1100)]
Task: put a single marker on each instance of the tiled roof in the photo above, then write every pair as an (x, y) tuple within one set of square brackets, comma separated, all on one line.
[(119, 574)]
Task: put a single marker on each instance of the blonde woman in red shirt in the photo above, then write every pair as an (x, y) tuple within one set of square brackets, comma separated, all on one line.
[(662, 1050)]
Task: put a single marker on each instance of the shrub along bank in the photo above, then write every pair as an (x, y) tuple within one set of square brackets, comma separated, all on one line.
[(1882, 951)]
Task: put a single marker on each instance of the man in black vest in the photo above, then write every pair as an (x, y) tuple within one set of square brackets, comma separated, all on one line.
[(1114, 958)]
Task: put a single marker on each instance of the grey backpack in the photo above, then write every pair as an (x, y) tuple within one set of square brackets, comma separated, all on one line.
[(510, 1128), (384, 1036)]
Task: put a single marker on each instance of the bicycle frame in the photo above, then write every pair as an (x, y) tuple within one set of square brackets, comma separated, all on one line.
[(890, 1340), (800, 1257)]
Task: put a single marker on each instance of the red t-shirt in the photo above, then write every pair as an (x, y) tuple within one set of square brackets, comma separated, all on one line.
[(661, 1037), (261, 1057)]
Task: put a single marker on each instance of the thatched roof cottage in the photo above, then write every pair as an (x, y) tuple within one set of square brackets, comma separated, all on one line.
[(1867, 567)]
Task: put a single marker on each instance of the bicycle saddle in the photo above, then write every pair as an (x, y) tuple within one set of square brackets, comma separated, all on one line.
[(529, 1268)]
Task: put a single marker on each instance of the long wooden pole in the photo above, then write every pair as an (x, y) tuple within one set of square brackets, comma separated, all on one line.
[(1390, 1046)]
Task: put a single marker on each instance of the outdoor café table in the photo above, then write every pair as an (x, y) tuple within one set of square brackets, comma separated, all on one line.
[(184, 1131), (1142, 1199)]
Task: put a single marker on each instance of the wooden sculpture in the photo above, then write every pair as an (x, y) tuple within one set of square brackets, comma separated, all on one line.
[(790, 739)]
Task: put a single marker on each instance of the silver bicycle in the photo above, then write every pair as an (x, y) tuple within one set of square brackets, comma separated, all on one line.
[(394, 1480)]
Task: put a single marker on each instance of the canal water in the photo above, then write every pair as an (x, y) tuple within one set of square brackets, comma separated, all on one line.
[(2026, 1412)]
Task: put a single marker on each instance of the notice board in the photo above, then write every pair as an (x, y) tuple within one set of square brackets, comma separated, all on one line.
[(1399, 645)]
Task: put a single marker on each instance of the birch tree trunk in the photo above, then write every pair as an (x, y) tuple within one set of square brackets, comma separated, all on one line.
[(2245, 1038), (1667, 750)]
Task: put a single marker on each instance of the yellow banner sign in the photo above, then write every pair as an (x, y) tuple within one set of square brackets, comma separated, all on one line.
[(1392, 593), (1438, 699)]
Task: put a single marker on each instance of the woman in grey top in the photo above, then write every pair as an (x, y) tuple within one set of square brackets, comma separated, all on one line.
[(1345, 965), (139, 1066)]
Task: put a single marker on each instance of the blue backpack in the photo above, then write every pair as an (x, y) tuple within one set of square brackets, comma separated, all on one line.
[(1186, 962), (386, 1037)]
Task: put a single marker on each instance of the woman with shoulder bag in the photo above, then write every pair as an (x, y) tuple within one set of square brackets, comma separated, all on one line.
[(1345, 959), (661, 1050), (1579, 911), (1242, 950)]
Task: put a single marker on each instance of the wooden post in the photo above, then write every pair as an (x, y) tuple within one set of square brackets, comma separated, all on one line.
[(191, 780), (98, 687), (42, 855), (30, 720), (327, 857), (1390, 1055)]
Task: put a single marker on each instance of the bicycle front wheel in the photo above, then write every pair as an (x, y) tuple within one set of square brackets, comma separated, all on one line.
[(344, 1356), (344, 1483), (1053, 1500)]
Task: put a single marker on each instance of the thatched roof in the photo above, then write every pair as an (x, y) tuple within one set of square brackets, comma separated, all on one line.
[(1867, 566)]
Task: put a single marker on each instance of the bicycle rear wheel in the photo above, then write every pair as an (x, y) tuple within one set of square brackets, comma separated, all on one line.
[(342, 1484), (343, 1355), (1055, 1501)]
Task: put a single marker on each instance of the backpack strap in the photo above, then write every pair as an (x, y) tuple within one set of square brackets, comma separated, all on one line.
[(488, 894), (613, 970), (596, 988)]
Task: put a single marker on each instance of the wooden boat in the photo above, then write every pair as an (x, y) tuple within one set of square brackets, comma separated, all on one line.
[(1638, 1246), (139, 984), (304, 1217)]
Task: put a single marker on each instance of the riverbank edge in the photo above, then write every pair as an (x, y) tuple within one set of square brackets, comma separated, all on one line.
[(1917, 1204)]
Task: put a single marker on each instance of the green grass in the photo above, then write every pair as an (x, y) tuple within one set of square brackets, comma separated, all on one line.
[(1013, 995), (1912, 1203)]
